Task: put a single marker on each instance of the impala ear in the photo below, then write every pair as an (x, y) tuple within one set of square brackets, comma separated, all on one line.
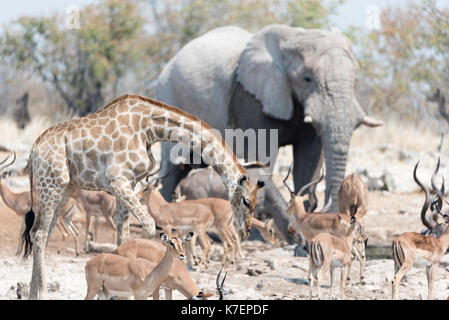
[(342, 221), (268, 222), (188, 237), (164, 237), (261, 72)]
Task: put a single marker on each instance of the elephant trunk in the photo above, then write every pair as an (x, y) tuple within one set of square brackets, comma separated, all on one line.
[(336, 155), (336, 138)]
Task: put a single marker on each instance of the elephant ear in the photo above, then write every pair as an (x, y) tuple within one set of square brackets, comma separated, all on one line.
[(261, 72)]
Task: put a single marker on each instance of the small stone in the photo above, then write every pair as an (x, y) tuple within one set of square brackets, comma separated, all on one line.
[(402, 211), (259, 285), (270, 264), (253, 272), (385, 147), (405, 155), (54, 286)]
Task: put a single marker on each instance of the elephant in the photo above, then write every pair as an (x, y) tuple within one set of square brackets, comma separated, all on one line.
[(297, 81)]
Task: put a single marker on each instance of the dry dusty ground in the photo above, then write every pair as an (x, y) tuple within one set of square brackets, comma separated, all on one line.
[(282, 276), (279, 275)]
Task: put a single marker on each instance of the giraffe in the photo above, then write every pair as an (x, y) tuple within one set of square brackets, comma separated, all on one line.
[(110, 150)]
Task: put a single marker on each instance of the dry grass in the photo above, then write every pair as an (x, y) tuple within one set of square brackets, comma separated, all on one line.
[(400, 135), (13, 136)]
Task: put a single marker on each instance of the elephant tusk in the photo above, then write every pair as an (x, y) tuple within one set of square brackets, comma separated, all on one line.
[(308, 119), (370, 122)]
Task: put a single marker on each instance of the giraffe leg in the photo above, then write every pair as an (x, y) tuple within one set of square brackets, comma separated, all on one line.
[(40, 233), (122, 227), (67, 191), (127, 201)]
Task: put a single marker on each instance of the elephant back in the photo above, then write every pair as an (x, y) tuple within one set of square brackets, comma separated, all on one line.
[(198, 79)]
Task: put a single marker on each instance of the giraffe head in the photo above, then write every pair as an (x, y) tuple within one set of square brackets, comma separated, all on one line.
[(243, 202)]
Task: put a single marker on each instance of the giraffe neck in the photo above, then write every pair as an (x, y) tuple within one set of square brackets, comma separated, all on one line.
[(169, 124)]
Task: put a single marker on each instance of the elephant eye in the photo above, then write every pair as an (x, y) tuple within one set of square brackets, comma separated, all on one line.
[(307, 78)]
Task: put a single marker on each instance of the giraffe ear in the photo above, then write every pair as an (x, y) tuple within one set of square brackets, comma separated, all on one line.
[(243, 180)]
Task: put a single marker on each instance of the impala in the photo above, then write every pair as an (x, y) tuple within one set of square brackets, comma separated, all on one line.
[(20, 203), (178, 215), (177, 279), (414, 249), (312, 224), (328, 252), (226, 226), (112, 274), (353, 201), (94, 204)]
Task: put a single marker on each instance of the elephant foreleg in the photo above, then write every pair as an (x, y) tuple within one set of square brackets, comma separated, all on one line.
[(307, 161)]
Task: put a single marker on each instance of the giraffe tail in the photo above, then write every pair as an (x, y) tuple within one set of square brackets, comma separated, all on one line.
[(26, 243)]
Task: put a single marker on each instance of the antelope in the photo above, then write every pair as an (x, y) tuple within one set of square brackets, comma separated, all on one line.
[(112, 274), (94, 204), (177, 279), (412, 249), (353, 197), (206, 183), (328, 252), (265, 228), (353, 201), (222, 220), (312, 224), (178, 215), (20, 203), (221, 210)]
